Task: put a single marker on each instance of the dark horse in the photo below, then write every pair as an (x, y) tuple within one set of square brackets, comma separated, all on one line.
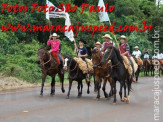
[(101, 72), (49, 67), (75, 74), (146, 66), (118, 73)]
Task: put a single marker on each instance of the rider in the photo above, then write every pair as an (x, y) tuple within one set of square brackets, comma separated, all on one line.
[(81, 51), (107, 42), (125, 51), (55, 49), (98, 46), (137, 52)]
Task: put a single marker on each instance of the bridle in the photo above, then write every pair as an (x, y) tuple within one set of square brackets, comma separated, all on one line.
[(74, 66), (99, 57), (113, 66), (70, 70)]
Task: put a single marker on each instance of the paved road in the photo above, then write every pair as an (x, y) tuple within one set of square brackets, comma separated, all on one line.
[(27, 106)]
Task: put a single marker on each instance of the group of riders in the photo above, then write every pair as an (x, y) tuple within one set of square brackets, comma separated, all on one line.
[(82, 52)]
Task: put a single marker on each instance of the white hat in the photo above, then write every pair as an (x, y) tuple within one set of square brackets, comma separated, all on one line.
[(123, 37), (55, 35), (107, 36), (136, 47)]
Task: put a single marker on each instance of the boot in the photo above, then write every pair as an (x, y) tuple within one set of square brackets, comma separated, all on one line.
[(133, 79)]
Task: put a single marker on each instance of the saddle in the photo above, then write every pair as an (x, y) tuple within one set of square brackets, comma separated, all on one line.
[(128, 66), (140, 62), (83, 65)]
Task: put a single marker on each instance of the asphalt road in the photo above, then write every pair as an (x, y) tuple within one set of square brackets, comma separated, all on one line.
[(26, 105)]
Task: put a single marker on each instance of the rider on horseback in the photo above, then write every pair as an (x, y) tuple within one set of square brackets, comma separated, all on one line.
[(81, 51), (137, 52), (107, 42), (55, 49), (124, 50)]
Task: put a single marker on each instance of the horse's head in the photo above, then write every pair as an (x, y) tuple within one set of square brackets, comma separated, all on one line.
[(67, 63), (107, 55), (42, 55), (96, 56)]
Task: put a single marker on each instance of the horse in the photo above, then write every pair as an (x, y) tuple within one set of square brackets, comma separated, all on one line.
[(101, 72), (75, 73), (146, 66), (118, 72), (49, 66)]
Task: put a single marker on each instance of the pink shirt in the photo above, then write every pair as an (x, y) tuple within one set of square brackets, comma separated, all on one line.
[(54, 45)]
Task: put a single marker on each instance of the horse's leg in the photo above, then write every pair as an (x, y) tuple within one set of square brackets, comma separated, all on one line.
[(79, 88), (103, 88), (98, 87), (129, 88), (114, 82), (70, 84), (61, 76), (120, 91), (111, 85), (43, 81), (53, 86), (95, 84), (88, 84)]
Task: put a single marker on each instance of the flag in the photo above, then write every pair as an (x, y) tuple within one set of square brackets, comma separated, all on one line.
[(68, 34), (54, 13), (103, 15)]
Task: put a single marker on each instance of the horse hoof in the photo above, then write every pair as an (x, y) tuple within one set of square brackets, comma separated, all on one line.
[(123, 99), (41, 94), (128, 99), (106, 96), (114, 103), (63, 91), (52, 94), (67, 97), (88, 92)]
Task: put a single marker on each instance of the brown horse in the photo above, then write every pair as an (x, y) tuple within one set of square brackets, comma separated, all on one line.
[(49, 66), (146, 66), (100, 73)]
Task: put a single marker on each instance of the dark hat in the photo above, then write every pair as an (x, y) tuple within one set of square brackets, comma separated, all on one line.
[(82, 40)]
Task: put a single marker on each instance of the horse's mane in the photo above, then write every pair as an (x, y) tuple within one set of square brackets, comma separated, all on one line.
[(118, 54)]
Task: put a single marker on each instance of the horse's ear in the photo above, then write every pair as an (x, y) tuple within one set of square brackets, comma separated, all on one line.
[(91, 49)]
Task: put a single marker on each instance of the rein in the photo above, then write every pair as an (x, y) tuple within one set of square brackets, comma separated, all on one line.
[(47, 61), (73, 70), (109, 54)]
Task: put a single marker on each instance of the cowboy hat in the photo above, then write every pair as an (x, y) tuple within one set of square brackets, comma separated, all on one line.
[(123, 37), (55, 35), (107, 36), (98, 43), (82, 40), (136, 47)]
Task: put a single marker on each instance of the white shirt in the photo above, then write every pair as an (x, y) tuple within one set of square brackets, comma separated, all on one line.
[(137, 54), (160, 56), (146, 56)]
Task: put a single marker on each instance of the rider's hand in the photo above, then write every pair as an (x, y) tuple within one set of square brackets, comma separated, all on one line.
[(50, 36), (49, 51)]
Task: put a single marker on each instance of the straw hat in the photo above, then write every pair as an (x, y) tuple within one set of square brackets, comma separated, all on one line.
[(136, 47), (55, 35), (107, 36), (98, 43), (123, 37)]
